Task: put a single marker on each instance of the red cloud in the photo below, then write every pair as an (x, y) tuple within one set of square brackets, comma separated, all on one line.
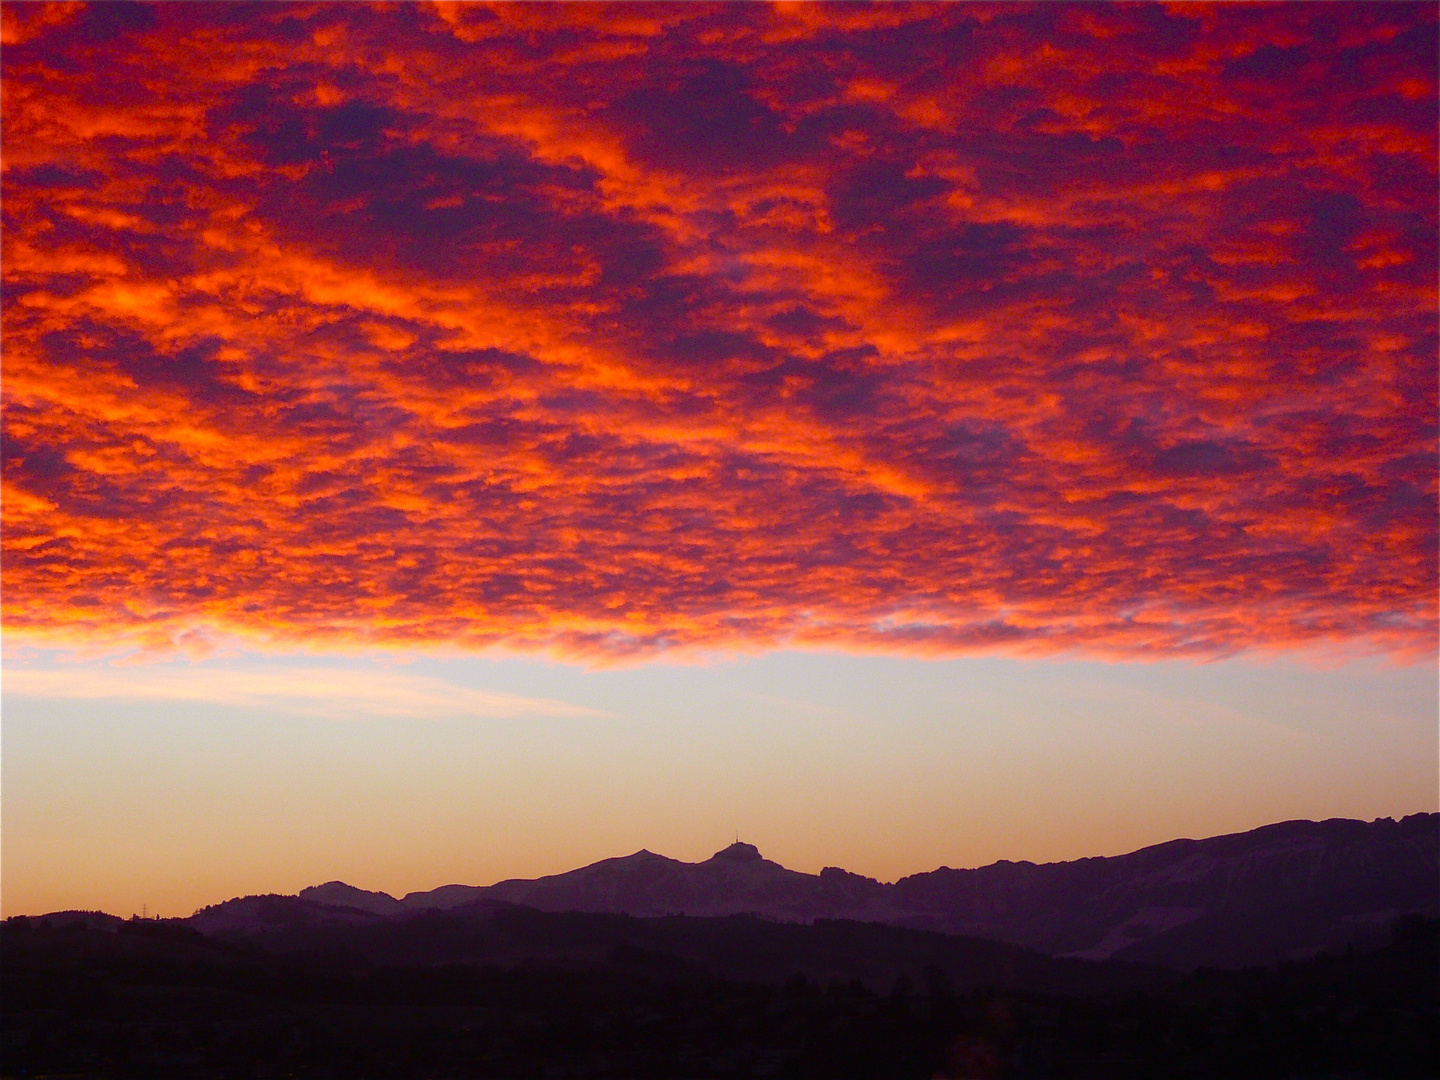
[(618, 329)]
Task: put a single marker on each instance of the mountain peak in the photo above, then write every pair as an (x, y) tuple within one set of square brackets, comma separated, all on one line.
[(339, 894), (739, 852)]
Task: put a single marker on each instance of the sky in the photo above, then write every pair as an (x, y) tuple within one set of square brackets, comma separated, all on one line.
[(449, 442)]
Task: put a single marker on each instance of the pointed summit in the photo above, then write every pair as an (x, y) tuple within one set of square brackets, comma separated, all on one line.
[(339, 894), (739, 852)]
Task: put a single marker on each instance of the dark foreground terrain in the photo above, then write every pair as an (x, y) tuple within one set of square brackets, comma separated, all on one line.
[(616, 996)]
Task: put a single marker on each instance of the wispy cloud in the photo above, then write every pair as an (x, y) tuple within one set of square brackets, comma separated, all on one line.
[(329, 692), (610, 330)]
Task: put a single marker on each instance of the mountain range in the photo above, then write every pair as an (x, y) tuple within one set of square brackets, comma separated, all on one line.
[(1284, 891)]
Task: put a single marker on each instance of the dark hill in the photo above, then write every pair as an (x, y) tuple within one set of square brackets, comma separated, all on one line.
[(735, 947), (156, 999)]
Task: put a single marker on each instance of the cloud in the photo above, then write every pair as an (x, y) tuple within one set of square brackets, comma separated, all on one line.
[(936, 328), (338, 693)]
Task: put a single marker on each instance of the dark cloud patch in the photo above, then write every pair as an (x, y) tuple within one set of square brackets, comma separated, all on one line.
[(283, 133), (475, 368), (44, 467), (870, 197), (1333, 220), (497, 212), (836, 387), (804, 323), (1270, 62), (53, 177), (191, 370), (1208, 459), (966, 454), (716, 349), (972, 257), (108, 24), (667, 300), (704, 116)]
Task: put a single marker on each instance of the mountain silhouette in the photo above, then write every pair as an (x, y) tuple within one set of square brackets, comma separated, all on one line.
[(1283, 891)]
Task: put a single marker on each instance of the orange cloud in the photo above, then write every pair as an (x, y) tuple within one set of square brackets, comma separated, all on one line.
[(934, 328)]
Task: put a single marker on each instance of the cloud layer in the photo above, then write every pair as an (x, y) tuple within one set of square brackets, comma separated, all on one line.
[(616, 329), (337, 693)]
